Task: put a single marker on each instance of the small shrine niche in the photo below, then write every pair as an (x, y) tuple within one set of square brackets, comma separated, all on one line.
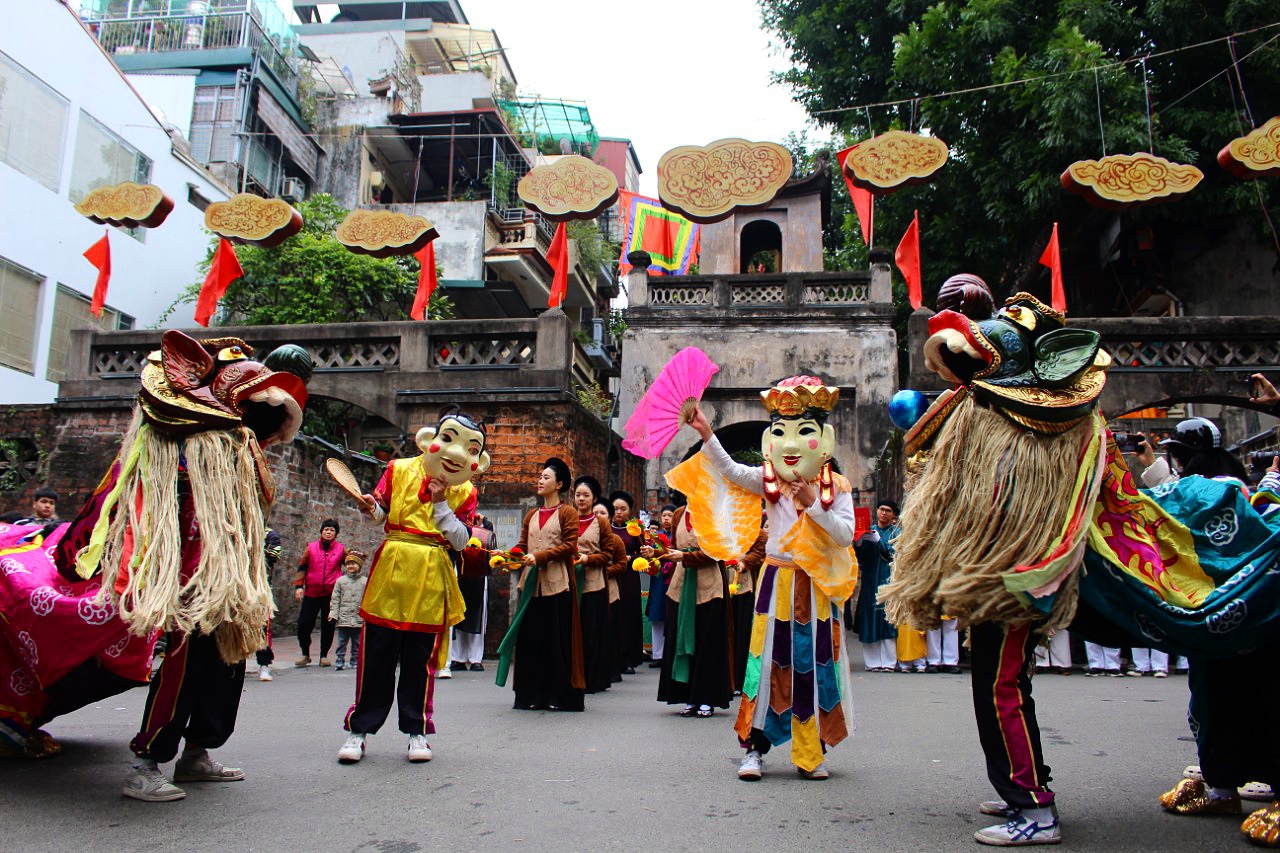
[(760, 247)]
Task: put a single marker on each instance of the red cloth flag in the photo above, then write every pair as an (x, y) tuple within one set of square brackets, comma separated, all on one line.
[(907, 257), (99, 254), (224, 270), (558, 257), (863, 200), (1052, 258), (426, 280)]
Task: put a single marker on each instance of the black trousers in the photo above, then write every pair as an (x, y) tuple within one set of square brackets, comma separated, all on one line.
[(1001, 659), (313, 607), (194, 694), (1234, 706), (382, 649)]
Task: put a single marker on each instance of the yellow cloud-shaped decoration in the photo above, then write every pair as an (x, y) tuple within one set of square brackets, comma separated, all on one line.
[(707, 183), (1254, 155), (383, 233), (127, 204), (895, 159), (247, 218), (1127, 180), (570, 188)]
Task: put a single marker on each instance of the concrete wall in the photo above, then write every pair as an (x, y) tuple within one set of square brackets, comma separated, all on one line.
[(443, 93), (1237, 276), (800, 221), (460, 247), (363, 55), (39, 228)]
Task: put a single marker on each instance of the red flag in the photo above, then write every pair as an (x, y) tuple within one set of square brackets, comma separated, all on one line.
[(99, 254), (224, 270), (863, 200), (907, 257), (426, 280), (1052, 258), (558, 257)]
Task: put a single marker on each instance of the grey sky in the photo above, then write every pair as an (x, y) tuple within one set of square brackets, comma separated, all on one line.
[(662, 73)]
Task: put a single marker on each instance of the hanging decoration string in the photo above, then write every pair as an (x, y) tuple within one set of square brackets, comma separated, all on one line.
[(1043, 77), (1102, 131), (1146, 91), (1235, 63)]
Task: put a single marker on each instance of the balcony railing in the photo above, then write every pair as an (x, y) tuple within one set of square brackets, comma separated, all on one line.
[(213, 30)]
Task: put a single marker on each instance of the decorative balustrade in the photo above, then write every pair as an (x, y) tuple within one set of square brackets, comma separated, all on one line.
[(483, 351), (801, 291)]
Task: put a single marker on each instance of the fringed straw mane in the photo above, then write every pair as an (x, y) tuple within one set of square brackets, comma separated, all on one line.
[(993, 496), (229, 593)]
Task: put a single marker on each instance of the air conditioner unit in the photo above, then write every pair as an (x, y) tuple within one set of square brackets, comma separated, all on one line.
[(293, 190)]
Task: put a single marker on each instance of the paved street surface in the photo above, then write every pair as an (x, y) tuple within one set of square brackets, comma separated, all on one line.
[(628, 774)]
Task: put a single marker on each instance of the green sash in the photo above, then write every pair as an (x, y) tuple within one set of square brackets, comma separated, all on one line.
[(508, 646), (685, 621)]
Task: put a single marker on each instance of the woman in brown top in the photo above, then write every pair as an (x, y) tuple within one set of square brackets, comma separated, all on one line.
[(548, 655), (596, 549), (701, 676)]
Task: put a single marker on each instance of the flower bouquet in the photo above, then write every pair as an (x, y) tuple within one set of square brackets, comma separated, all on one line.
[(507, 561)]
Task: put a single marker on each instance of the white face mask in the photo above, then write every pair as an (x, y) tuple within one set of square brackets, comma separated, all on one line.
[(453, 453), (798, 447)]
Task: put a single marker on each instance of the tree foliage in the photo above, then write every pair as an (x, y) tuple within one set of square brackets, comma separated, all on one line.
[(990, 210), (312, 278)]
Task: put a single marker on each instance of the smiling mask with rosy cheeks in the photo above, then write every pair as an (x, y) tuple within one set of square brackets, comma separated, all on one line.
[(452, 451), (798, 447)]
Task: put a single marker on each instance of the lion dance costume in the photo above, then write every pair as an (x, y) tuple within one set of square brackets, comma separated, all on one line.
[(172, 540)]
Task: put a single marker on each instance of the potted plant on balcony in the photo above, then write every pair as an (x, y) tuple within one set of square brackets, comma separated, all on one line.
[(383, 452)]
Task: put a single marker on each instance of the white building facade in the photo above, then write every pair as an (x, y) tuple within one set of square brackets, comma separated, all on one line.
[(70, 122)]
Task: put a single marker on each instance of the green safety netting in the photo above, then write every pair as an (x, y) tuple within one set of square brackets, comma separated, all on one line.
[(549, 121)]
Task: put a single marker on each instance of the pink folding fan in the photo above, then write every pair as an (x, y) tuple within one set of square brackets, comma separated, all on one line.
[(669, 402)]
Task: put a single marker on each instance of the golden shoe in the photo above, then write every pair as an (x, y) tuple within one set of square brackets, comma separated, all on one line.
[(1263, 826), (1191, 797)]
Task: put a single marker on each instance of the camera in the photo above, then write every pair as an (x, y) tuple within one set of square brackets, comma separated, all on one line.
[(1129, 442), (1260, 460)]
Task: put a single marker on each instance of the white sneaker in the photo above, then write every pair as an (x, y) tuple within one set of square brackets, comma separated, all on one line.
[(202, 768), (264, 673), (752, 767), (1020, 831), (818, 773), (444, 673), (145, 782), (353, 750), (419, 749)]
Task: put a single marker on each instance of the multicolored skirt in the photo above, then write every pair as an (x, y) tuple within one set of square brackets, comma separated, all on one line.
[(796, 685)]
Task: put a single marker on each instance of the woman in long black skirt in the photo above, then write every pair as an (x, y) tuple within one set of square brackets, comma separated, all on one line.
[(596, 547), (696, 670), (548, 654)]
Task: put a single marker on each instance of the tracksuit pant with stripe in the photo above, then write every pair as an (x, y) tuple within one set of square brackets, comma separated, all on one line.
[(381, 650), (1002, 657), (194, 694)]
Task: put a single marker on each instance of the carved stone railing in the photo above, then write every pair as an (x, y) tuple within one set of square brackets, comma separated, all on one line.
[(377, 366), (795, 290)]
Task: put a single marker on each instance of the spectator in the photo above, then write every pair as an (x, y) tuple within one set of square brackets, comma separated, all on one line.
[(44, 508), (318, 571), (272, 550), (348, 592)]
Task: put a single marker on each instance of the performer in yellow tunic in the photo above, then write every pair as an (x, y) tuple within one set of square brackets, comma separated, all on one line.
[(412, 598), (796, 685)]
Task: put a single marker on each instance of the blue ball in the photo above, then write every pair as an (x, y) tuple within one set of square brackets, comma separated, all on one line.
[(906, 407)]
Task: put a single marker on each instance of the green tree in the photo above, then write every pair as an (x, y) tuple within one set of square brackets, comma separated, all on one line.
[(990, 210), (312, 278)]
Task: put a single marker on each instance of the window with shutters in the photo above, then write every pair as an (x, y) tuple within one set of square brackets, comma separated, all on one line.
[(71, 311), (33, 124), (214, 121), (19, 301), (103, 159)]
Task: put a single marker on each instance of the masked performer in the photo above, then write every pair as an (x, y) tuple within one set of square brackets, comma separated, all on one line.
[(412, 597), (742, 597), (698, 671), (995, 526), (545, 636), (171, 540), (596, 549), (796, 683)]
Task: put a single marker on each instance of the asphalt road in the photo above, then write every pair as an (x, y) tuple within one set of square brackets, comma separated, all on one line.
[(628, 774)]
